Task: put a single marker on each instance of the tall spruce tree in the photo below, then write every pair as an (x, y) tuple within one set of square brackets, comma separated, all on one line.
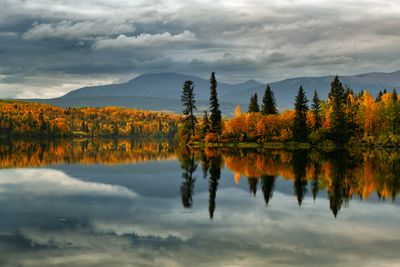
[(189, 105), (338, 120), (215, 116), (316, 109), (268, 105), (253, 105), (394, 94), (300, 130)]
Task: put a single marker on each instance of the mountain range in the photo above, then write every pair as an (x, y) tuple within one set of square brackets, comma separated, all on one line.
[(161, 91)]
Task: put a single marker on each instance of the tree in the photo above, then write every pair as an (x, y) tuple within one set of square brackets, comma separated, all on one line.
[(206, 124), (394, 94), (300, 130), (238, 111), (268, 106), (316, 109), (215, 116), (253, 105), (379, 96), (338, 119), (189, 105)]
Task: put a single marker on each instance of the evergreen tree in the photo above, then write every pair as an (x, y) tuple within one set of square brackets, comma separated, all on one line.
[(253, 105), (300, 130), (206, 124), (378, 97), (268, 106), (189, 105), (215, 116), (316, 109), (338, 120), (394, 94)]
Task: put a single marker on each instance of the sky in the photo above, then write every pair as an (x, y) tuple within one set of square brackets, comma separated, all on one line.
[(50, 47)]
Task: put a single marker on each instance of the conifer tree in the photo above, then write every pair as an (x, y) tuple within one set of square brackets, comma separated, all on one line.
[(268, 106), (189, 105), (394, 94), (206, 124), (338, 120), (215, 116), (316, 109), (379, 96), (300, 130), (253, 105)]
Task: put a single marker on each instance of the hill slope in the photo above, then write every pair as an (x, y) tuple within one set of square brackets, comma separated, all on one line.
[(161, 91)]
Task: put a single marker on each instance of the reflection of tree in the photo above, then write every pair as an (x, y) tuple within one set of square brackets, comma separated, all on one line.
[(299, 163), (215, 174), (205, 164), (339, 190), (188, 166), (267, 187), (253, 181), (315, 180)]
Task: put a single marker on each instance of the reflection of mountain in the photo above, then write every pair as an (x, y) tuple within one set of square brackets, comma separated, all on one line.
[(110, 151)]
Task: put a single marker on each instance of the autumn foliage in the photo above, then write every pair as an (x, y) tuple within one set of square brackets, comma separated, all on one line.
[(23, 119), (368, 120)]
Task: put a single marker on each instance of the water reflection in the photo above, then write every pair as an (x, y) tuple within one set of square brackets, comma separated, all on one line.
[(129, 207), (25, 153), (342, 174)]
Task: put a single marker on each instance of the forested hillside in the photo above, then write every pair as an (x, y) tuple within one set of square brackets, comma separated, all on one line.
[(21, 119)]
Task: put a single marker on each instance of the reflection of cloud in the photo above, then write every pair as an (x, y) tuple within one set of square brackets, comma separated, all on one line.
[(51, 182), (155, 231)]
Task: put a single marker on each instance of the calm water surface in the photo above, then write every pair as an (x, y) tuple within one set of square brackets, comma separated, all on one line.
[(145, 203)]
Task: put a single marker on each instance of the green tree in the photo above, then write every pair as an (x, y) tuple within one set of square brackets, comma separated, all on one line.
[(379, 96), (394, 94), (316, 109), (206, 124), (189, 105), (253, 105), (338, 119), (215, 116), (300, 130), (268, 102)]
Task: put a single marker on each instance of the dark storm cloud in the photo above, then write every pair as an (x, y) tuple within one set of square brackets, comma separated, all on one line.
[(68, 44)]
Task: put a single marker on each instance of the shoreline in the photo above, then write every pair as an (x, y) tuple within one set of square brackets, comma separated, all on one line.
[(288, 145)]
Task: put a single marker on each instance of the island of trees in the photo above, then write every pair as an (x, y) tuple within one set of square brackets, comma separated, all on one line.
[(344, 118)]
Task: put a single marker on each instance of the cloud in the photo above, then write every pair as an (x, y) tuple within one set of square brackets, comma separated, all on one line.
[(116, 38), (145, 40), (77, 30)]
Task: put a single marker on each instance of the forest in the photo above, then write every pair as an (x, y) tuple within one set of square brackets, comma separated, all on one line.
[(21, 119), (344, 118)]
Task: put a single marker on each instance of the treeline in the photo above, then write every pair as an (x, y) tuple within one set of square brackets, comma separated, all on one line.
[(345, 117), (21, 119)]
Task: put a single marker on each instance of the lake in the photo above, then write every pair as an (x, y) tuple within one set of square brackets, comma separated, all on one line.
[(149, 203)]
